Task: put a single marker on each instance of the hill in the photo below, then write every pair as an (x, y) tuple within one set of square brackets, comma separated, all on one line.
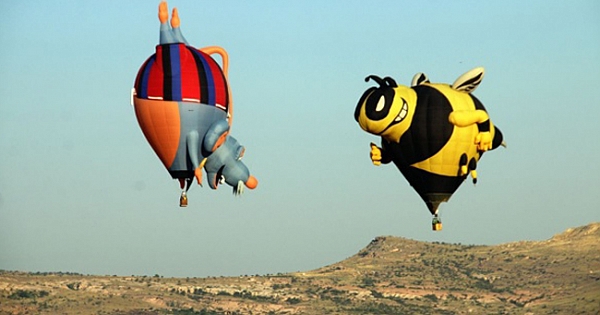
[(391, 275)]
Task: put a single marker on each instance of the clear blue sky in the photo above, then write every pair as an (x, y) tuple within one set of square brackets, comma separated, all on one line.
[(82, 191)]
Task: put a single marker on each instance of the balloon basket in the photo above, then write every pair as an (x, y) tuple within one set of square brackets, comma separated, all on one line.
[(183, 200), (436, 223)]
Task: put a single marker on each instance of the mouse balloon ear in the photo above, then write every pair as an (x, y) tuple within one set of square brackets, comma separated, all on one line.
[(214, 133), (213, 180)]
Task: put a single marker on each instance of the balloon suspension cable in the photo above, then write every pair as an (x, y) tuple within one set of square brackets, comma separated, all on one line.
[(188, 183)]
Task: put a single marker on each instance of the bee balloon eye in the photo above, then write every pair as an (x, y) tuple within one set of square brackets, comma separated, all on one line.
[(379, 103)]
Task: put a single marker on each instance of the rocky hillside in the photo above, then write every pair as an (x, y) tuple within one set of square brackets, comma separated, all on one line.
[(390, 275)]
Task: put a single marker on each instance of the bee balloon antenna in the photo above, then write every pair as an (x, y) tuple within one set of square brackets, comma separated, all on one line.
[(375, 78), (390, 82)]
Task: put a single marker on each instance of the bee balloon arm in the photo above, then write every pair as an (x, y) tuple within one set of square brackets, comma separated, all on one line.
[(465, 118), (379, 155)]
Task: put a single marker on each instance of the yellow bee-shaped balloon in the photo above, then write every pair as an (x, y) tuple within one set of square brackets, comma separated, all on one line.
[(435, 133)]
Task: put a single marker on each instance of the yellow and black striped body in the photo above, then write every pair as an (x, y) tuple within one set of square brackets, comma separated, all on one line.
[(429, 131)]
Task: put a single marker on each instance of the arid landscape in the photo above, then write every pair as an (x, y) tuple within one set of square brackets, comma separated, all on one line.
[(390, 275)]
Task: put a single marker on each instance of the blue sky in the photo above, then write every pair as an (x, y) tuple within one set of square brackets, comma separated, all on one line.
[(82, 191)]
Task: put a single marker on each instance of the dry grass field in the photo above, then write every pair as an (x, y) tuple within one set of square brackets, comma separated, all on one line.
[(390, 275)]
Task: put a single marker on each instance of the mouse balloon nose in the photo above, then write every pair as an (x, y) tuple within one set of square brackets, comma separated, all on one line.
[(252, 182)]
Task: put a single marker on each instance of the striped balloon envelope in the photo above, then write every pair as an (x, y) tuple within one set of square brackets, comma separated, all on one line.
[(177, 72), (182, 100)]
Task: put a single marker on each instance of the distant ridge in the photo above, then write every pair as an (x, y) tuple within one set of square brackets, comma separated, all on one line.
[(591, 230), (391, 275)]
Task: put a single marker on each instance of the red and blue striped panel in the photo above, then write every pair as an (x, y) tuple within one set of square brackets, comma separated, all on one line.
[(177, 72)]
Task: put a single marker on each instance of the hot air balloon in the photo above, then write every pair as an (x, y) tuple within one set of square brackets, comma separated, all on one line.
[(182, 102), (434, 133)]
